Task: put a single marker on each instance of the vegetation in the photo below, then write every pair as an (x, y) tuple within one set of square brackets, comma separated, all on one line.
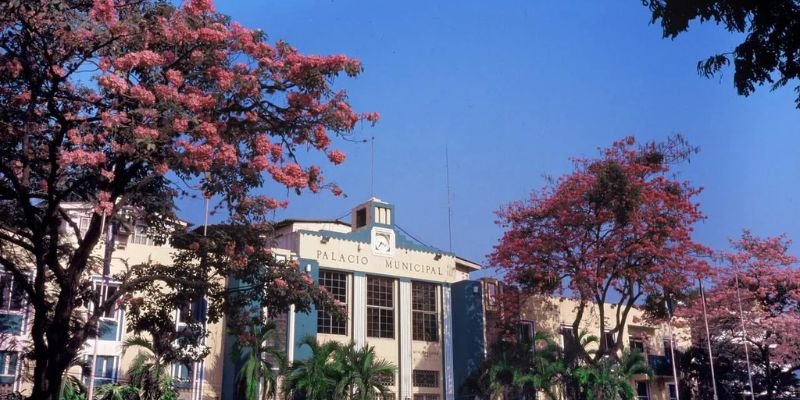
[(519, 369), (260, 361), (121, 104), (335, 371), (768, 53)]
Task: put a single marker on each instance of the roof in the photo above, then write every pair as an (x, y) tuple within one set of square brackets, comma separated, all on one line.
[(287, 222), (467, 263)]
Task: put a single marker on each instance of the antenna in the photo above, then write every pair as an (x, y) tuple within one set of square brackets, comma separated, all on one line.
[(449, 205)]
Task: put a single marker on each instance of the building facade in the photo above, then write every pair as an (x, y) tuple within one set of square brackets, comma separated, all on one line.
[(397, 293), (200, 381), (554, 316)]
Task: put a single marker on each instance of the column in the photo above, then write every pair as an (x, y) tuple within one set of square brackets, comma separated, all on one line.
[(447, 336), (404, 306), (359, 309)]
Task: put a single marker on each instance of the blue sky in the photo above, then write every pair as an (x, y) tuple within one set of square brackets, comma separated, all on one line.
[(514, 89)]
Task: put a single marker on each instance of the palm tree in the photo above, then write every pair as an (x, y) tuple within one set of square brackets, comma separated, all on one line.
[(316, 377), (71, 386), (114, 391), (261, 362), (546, 367), (149, 371), (610, 378), (363, 376)]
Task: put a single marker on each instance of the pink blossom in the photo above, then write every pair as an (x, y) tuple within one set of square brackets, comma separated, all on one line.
[(113, 83), (280, 283), (180, 125), (336, 191), (141, 132), (194, 246), (161, 169), (14, 67), (143, 59), (104, 206), (307, 279), (198, 7), (143, 95), (336, 157), (174, 77), (103, 11)]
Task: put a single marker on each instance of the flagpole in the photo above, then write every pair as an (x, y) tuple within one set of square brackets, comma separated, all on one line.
[(90, 391), (708, 339), (744, 337), (672, 351)]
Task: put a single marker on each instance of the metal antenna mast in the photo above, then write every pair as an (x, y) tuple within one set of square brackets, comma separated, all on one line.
[(449, 203)]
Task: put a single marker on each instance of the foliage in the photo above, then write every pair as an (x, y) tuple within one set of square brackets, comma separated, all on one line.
[(71, 386), (519, 369), (769, 52), (769, 287), (149, 372), (314, 378), (618, 227), (260, 360), (116, 392), (361, 376), (124, 105), (610, 378), (338, 371)]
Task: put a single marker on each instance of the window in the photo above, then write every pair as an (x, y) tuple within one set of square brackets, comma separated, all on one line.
[(103, 293), (491, 295), (609, 339), (423, 396), (673, 394), (525, 331), (139, 235), (8, 363), (336, 284), (636, 344), (386, 379), (423, 307), (361, 217), (642, 390), (380, 307), (182, 374), (105, 368), (667, 347), (83, 225), (387, 396), (11, 295), (423, 378)]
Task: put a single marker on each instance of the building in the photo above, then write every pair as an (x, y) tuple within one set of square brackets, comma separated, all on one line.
[(531, 313), (397, 293), (200, 381)]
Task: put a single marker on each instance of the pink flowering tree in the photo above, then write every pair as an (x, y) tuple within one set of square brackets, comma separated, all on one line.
[(615, 230), (124, 103), (769, 289)]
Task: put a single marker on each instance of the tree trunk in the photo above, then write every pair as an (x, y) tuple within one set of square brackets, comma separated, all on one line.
[(48, 375), (770, 391), (52, 357)]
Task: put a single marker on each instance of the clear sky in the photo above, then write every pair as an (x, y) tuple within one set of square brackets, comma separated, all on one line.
[(515, 88)]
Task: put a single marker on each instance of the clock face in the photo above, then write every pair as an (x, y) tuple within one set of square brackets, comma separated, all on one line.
[(382, 243)]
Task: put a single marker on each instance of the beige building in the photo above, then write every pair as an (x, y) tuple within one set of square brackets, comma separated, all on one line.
[(200, 381), (555, 316)]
